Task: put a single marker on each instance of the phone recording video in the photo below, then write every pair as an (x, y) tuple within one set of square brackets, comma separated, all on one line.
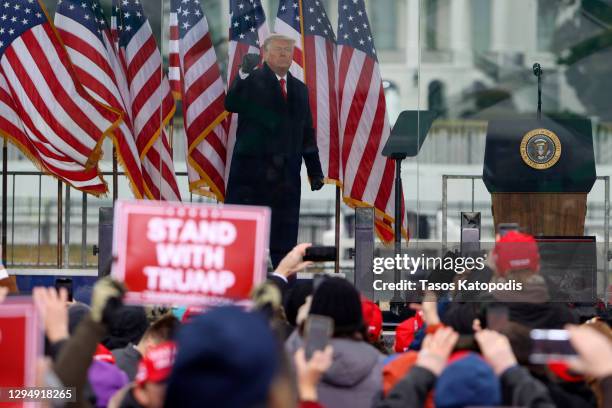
[(320, 254), (317, 333), (65, 283), (550, 345)]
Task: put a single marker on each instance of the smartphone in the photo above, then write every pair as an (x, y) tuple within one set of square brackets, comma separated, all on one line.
[(497, 317), (504, 227), (317, 333), (550, 345), (64, 283), (320, 254)]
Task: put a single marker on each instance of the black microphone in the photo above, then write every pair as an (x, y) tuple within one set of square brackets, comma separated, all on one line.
[(537, 69)]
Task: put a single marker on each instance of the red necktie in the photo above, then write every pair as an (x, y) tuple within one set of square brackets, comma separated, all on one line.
[(283, 89)]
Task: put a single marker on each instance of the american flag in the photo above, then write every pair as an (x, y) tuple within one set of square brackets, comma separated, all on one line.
[(247, 32), (46, 157), (368, 176), (86, 34), (194, 74), (151, 102), (44, 110), (318, 62)]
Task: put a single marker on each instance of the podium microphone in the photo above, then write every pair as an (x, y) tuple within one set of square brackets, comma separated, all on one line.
[(537, 71)]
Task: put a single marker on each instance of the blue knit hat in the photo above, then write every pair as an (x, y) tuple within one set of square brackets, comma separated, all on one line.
[(226, 358), (467, 381)]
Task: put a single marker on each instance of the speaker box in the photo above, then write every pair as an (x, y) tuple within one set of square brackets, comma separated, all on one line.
[(364, 251), (105, 240)]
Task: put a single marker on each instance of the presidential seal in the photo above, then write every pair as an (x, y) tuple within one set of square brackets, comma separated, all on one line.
[(540, 149)]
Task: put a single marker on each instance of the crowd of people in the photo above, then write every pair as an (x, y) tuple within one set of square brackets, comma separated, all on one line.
[(443, 356)]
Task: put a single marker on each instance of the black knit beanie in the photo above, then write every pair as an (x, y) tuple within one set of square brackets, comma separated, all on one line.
[(338, 299)]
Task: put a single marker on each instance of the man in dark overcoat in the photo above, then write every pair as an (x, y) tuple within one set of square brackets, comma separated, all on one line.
[(274, 134)]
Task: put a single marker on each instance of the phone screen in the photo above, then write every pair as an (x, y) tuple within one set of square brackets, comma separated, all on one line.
[(64, 283), (317, 332), (550, 345), (320, 254)]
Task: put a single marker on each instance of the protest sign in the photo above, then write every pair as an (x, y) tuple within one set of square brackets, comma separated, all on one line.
[(20, 343), (188, 254)]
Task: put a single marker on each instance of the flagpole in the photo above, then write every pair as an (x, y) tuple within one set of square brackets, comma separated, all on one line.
[(59, 223), (302, 39), (161, 102), (115, 176), (337, 231), (4, 199), (171, 135), (115, 39), (171, 142)]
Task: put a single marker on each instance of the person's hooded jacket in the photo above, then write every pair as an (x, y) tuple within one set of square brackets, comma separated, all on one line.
[(355, 376)]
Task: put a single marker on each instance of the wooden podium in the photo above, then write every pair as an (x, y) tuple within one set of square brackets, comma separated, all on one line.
[(539, 172), (541, 213)]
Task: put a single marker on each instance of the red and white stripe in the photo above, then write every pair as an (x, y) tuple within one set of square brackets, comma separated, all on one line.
[(368, 176), (98, 68), (321, 63), (151, 109), (196, 74), (174, 63), (43, 154), (59, 117)]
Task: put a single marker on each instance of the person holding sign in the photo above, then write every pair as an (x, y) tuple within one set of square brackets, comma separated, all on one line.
[(6, 280), (275, 132)]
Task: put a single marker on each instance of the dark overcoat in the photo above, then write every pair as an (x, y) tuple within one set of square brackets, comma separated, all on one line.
[(272, 138)]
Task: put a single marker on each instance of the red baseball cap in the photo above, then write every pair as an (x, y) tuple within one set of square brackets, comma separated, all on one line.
[(103, 354), (157, 363), (515, 251), (405, 331), (372, 317)]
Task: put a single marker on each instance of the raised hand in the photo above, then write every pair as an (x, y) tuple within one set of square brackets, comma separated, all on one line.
[(53, 310), (496, 349), (249, 63), (436, 349)]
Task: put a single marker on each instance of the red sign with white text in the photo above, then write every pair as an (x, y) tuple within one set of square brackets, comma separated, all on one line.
[(20, 344), (189, 253)]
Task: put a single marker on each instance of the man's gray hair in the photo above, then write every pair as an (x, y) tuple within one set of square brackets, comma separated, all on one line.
[(277, 37)]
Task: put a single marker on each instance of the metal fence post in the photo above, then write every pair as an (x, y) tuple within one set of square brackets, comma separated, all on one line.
[(59, 224), (444, 209), (606, 237), (67, 229), (84, 231)]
